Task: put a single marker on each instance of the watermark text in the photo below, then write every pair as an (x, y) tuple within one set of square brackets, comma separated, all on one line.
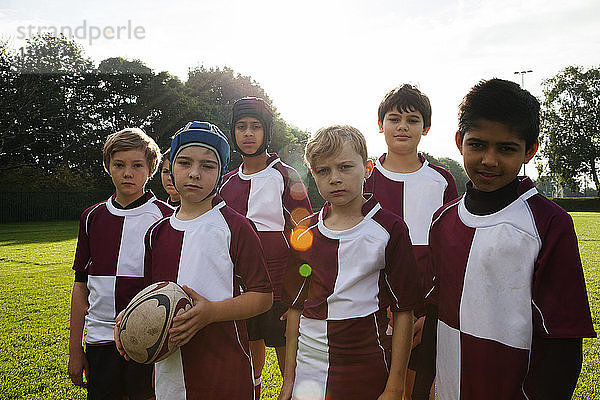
[(86, 31)]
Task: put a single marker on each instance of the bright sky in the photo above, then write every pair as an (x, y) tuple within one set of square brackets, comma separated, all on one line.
[(325, 62)]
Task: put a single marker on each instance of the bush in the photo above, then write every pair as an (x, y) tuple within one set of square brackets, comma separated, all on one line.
[(47, 205), (578, 203)]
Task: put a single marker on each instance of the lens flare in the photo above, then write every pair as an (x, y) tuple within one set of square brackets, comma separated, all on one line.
[(297, 191), (299, 214), (301, 238), (305, 270)]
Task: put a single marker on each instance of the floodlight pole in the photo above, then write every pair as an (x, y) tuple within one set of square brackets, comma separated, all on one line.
[(522, 73)]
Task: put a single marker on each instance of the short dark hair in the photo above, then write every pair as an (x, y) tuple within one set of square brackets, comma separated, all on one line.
[(406, 98), (165, 157), (501, 101)]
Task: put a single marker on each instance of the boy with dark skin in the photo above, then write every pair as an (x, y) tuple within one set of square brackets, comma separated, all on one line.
[(510, 291), (272, 195)]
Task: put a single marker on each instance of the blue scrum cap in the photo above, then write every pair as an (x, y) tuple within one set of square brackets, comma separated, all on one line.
[(204, 134)]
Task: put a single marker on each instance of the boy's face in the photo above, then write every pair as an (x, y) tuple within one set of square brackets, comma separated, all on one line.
[(165, 179), (493, 154), (340, 178), (196, 170), (249, 134), (129, 172), (402, 130)]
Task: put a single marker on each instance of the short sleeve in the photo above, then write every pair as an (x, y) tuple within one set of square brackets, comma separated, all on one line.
[(450, 193), (148, 257), (248, 257), (165, 209), (295, 284), (82, 254), (560, 303), (401, 273)]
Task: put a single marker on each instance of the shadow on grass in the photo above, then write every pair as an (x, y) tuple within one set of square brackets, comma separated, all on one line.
[(37, 232)]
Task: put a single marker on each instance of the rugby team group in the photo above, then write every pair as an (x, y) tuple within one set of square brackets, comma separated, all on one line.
[(396, 289)]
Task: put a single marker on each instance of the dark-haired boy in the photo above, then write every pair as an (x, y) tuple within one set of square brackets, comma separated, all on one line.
[(513, 307), (405, 183), (109, 268), (173, 198), (271, 194)]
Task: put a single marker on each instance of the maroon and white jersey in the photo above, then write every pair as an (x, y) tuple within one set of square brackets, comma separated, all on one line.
[(275, 199), (110, 248), (503, 280), (414, 197), (218, 255), (354, 275)]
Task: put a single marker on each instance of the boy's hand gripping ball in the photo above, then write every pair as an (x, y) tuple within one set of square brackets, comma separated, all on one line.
[(144, 328)]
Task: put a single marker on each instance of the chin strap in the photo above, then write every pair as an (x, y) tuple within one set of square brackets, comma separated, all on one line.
[(261, 149), (211, 193)]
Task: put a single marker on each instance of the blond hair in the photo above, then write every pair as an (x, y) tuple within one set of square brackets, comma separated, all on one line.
[(131, 139), (329, 141)]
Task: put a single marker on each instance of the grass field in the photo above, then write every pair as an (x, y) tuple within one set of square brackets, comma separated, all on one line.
[(35, 289)]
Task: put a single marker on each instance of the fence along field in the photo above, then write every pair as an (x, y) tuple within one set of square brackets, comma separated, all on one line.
[(35, 292)]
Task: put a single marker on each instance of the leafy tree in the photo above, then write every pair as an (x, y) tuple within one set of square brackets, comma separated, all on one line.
[(44, 102), (216, 89), (457, 171), (571, 126), (171, 106), (120, 88), (56, 109)]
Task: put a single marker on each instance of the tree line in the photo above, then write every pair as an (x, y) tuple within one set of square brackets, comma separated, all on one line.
[(570, 139), (57, 108)]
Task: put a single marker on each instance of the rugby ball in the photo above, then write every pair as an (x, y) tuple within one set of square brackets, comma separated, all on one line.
[(146, 321)]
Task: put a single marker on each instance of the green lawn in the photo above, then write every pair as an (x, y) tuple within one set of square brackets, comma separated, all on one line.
[(35, 286), (587, 226)]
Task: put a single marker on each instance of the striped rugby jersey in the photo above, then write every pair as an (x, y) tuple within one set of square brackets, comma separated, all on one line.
[(354, 275), (414, 197), (110, 248), (502, 281), (219, 255), (275, 200)]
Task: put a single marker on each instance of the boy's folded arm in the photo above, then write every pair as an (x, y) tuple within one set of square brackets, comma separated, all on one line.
[(244, 306), (205, 312), (555, 368)]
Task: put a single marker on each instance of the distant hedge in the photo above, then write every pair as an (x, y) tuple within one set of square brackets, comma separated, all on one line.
[(578, 203), (62, 205), (47, 205)]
